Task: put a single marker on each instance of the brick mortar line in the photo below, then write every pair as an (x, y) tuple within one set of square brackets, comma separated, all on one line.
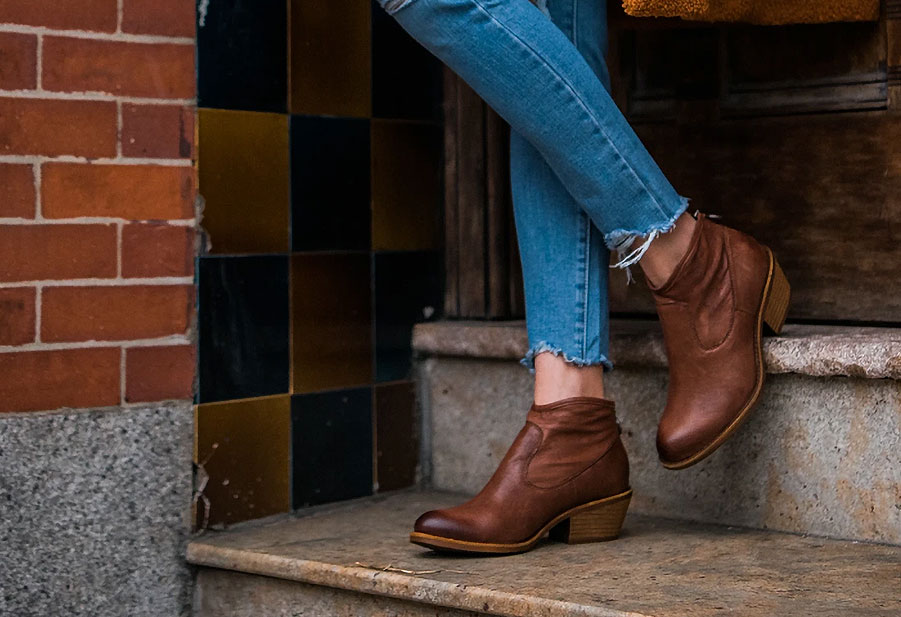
[(119, 130), (160, 281), (54, 95), (122, 355), (95, 220), (38, 181), (117, 37), (120, 12), (164, 341), (119, 228), (39, 68), (31, 159), (38, 306)]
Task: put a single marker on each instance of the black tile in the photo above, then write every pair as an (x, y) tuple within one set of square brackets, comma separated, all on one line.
[(244, 339), (242, 54), (330, 188), (406, 77), (397, 435), (408, 289), (331, 433)]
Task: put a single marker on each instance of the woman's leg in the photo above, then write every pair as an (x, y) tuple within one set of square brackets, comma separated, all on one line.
[(527, 69), (564, 264), (568, 461)]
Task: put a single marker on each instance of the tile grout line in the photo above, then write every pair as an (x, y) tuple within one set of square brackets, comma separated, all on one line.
[(118, 36)]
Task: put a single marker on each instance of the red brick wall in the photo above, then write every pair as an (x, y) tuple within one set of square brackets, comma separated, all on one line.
[(97, 106)]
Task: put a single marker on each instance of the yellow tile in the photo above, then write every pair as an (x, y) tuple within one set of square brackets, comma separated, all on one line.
[(331, 58), (245, 448), (332, 321), (243, 166), (406, 185)]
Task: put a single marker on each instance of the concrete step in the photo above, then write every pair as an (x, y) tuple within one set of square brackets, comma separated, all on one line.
[(821, 454), (354, 559)]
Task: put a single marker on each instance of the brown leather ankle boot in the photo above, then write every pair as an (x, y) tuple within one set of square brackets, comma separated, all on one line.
[(712, 309), (566, 472)]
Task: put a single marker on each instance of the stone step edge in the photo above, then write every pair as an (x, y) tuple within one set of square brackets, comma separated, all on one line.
[(816, 351), (399, 586)]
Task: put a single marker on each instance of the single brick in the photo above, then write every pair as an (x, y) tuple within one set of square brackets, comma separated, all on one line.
[(18, 61), (38, 380), (159, 373), (57, 252), (128, 69), (17, 315), (55, 128), (17, 191), (115, 313), (165, 17), (157, 131), (157, 249), (95, 15), (135, 192)]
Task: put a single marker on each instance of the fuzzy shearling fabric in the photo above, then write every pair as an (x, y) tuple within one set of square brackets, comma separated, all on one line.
[(764, 12)]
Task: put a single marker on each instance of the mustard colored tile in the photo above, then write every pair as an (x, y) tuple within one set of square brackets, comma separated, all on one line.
[(331, 58), (406, 185), (245, 449), (332, 320), (243, 166)]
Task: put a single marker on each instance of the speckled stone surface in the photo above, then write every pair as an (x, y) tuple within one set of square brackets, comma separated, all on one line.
[(818, 455), (94, 512), (658, 567), (223, 593), (819, 351)]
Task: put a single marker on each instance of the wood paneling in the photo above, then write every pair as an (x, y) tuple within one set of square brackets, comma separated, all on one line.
[(482, 266), (823, 191)]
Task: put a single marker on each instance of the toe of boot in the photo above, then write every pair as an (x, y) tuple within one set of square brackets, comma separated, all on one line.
[(440, 523), (676, 444)]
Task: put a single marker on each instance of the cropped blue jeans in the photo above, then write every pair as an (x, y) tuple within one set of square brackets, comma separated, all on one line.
[(582, 181)]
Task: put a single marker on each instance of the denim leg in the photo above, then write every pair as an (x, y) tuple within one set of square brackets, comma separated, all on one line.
[(534, 77), (564, 264)]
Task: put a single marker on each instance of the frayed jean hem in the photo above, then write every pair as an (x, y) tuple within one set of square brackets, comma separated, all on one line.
[(621, 239), (528, 360)]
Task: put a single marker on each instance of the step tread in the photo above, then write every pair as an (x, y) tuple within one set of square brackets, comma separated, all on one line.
[(658, 567), (820, 351)]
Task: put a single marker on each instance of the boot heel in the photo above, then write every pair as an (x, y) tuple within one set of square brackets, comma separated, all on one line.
[(595, 524), (777, 301)]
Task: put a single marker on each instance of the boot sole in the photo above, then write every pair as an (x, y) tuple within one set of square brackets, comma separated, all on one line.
[(773, 310), (595, 521)]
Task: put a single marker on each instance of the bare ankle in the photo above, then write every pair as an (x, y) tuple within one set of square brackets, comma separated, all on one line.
[(557, 379), (667, 250)]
